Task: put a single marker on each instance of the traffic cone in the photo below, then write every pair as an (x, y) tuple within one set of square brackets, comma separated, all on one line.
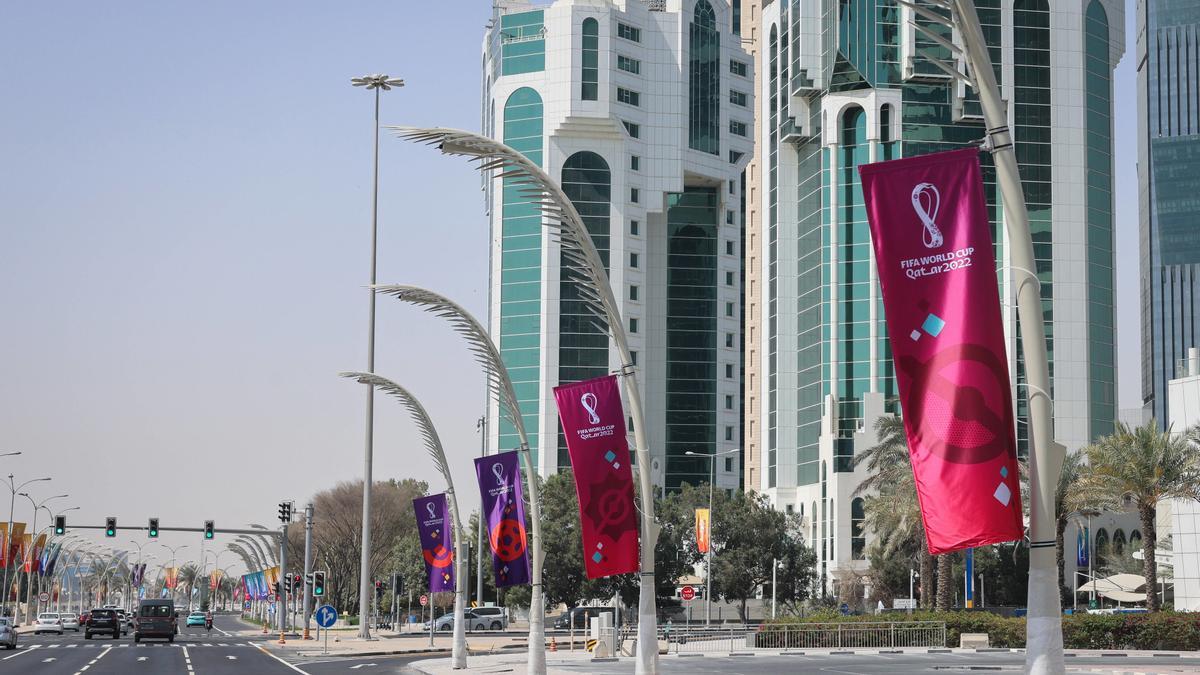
[(553, 644)]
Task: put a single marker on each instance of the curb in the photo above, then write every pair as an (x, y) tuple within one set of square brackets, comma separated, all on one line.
[(404, 652)]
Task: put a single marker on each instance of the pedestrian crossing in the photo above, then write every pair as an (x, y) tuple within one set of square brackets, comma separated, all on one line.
[(138, 645)]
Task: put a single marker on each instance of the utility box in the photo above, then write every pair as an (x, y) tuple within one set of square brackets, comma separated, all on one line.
[(604, 635), (973, 641)]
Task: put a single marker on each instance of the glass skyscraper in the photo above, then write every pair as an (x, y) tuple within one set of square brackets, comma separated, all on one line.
[(1168, 63), (845, 83), (644, 112)]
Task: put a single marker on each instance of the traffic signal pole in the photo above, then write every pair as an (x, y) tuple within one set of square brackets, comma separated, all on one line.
[(308, 522), (281, 606)]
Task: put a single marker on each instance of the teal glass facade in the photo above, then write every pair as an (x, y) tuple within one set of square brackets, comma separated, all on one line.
[(589, 76), (521, 265), (522, 43), (691, 334), (704, 81), (583, 336)]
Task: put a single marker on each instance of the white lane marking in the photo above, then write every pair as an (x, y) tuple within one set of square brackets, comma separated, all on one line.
[(72, 646), (264, 651), (143, 658), (49, 660), (363, 665), (231, 657), (223, 632), (23, 651)]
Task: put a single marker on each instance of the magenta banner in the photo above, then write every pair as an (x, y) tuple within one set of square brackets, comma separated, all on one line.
[(937, 272), (594, 423), (437, 541), (500, 491)]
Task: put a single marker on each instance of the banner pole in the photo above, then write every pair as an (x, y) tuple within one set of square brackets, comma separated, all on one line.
[(1044, 646)]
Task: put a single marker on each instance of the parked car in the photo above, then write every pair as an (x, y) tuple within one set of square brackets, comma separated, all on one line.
[(47, 623), (69, 621), (496, 617), (8, 633), (472, 621), (195, 619), (102, 620), (156, 618), (581, 617)]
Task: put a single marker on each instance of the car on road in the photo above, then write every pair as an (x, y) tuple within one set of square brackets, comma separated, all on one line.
[(47, 623), (69, 621), (122, 620), (581, 617), (496, 617), (471, 620), (195, 619), (104, 621), (156, 618), (8, 633)]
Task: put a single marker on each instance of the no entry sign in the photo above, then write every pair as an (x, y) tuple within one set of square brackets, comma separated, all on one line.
[(424, 600), (689, 593)]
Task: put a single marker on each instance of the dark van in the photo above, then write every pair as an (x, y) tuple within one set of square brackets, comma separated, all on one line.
[(155, 618)]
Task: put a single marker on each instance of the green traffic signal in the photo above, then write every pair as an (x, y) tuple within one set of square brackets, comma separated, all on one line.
[(153, 529), (60, 525), (110, 527), (318, 583), (208, 529)]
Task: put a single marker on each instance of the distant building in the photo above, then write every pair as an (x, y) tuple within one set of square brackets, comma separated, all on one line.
[(644, 112), (1183, 400), (1168, 61)]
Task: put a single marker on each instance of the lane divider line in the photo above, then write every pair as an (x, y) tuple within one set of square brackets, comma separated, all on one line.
[(23, 651), (264, 651)]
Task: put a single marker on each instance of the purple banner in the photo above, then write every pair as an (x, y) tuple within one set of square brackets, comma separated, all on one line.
[(437, 541), (500, 492)]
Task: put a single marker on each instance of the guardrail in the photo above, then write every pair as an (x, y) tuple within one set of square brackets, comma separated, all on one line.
[(734, 638)]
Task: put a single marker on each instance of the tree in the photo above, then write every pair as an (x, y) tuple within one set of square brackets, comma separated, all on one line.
[(1142, 466), (1064, 506)]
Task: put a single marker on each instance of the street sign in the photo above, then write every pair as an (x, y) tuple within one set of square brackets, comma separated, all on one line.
[(44, 597), (326, 616), (844, 609), (904, 603), (271, 598), (689, 593), (247, 605), (424, 600)]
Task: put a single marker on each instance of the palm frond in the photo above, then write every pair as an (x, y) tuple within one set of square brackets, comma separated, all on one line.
[(433, 444), (478, 341), (531, 182)]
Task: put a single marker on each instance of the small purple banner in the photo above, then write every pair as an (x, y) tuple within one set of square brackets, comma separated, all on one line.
[(500, 489), (437, 541)]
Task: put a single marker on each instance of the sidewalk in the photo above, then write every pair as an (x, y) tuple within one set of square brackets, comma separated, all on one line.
[(392, 643)]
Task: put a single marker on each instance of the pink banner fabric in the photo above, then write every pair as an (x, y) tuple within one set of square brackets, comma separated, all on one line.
[(937, 273), (594, 423)]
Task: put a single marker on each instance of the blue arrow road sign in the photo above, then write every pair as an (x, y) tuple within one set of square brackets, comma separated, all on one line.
[(326, 616)]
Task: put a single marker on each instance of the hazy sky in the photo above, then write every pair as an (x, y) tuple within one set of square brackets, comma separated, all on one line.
[(184, 239)]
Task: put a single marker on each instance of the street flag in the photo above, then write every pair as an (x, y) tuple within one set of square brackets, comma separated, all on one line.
[(17, 538), (437, 541), (34, 563), (937, 272), (594, 424), (1082, 552), (500, 491), (4, 545), (702, 530), (172, 576), (214, 579)]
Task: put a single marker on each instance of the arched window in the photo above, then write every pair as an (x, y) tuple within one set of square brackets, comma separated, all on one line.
[(1118, 542), (583, 346), (1135, 540), (590, 77), (1101, 542), (704, 81), (858, 539)]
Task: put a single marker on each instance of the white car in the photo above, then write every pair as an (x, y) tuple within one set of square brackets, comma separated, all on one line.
[(47, 623), (8, 634), (70, 621)]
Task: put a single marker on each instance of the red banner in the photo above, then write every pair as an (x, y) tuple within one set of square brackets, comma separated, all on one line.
[(937, 272), (594, 423)]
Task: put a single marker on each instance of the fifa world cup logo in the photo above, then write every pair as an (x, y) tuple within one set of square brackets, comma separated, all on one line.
[(925, 200), (589, 401)]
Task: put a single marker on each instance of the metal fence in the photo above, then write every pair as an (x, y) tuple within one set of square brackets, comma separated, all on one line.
[(734, 638)]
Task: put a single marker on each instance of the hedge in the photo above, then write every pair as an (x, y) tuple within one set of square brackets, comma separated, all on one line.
[(1173, 631)]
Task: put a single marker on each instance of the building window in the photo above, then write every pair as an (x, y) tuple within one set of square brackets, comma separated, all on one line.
[(628, 65), (635, 163), (634, 195), (728, 401), (627, 32), (728, 436), (628, 97), (737, 128), (590, 76), (728, 247), (858, 538), (582, 348), (735, 157), (729, 460), (737, 97), (729, 309), (704, 80), (733, 187), (729, 370), (633, 324), (729, 217), (729, 278), (634, 228), (634, 130), (739, 68), (633, 361), (729, 340), (633, 260), (633, 293)]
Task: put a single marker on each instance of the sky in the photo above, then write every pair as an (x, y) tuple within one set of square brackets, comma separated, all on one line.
[(184, 243)]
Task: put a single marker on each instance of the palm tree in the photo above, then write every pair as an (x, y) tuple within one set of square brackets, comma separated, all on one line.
[(1142, 466), (1064, 505), (893, 510), (189, 576)]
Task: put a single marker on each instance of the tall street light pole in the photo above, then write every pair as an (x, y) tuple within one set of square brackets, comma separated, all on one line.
[(8, 538), (377, 83), (712, 477), (29, 613)]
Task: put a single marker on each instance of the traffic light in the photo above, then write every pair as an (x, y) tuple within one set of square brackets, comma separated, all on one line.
[(208, 529), (60, 525), (297, 583), (285, 512), (397, 584), (378, 590), (110, 527), (318, 584), (153, 529)]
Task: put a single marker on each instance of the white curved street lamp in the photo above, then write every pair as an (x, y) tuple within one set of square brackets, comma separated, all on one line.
[(433, 444), (582, 263), (8, 536), (500, 386)]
